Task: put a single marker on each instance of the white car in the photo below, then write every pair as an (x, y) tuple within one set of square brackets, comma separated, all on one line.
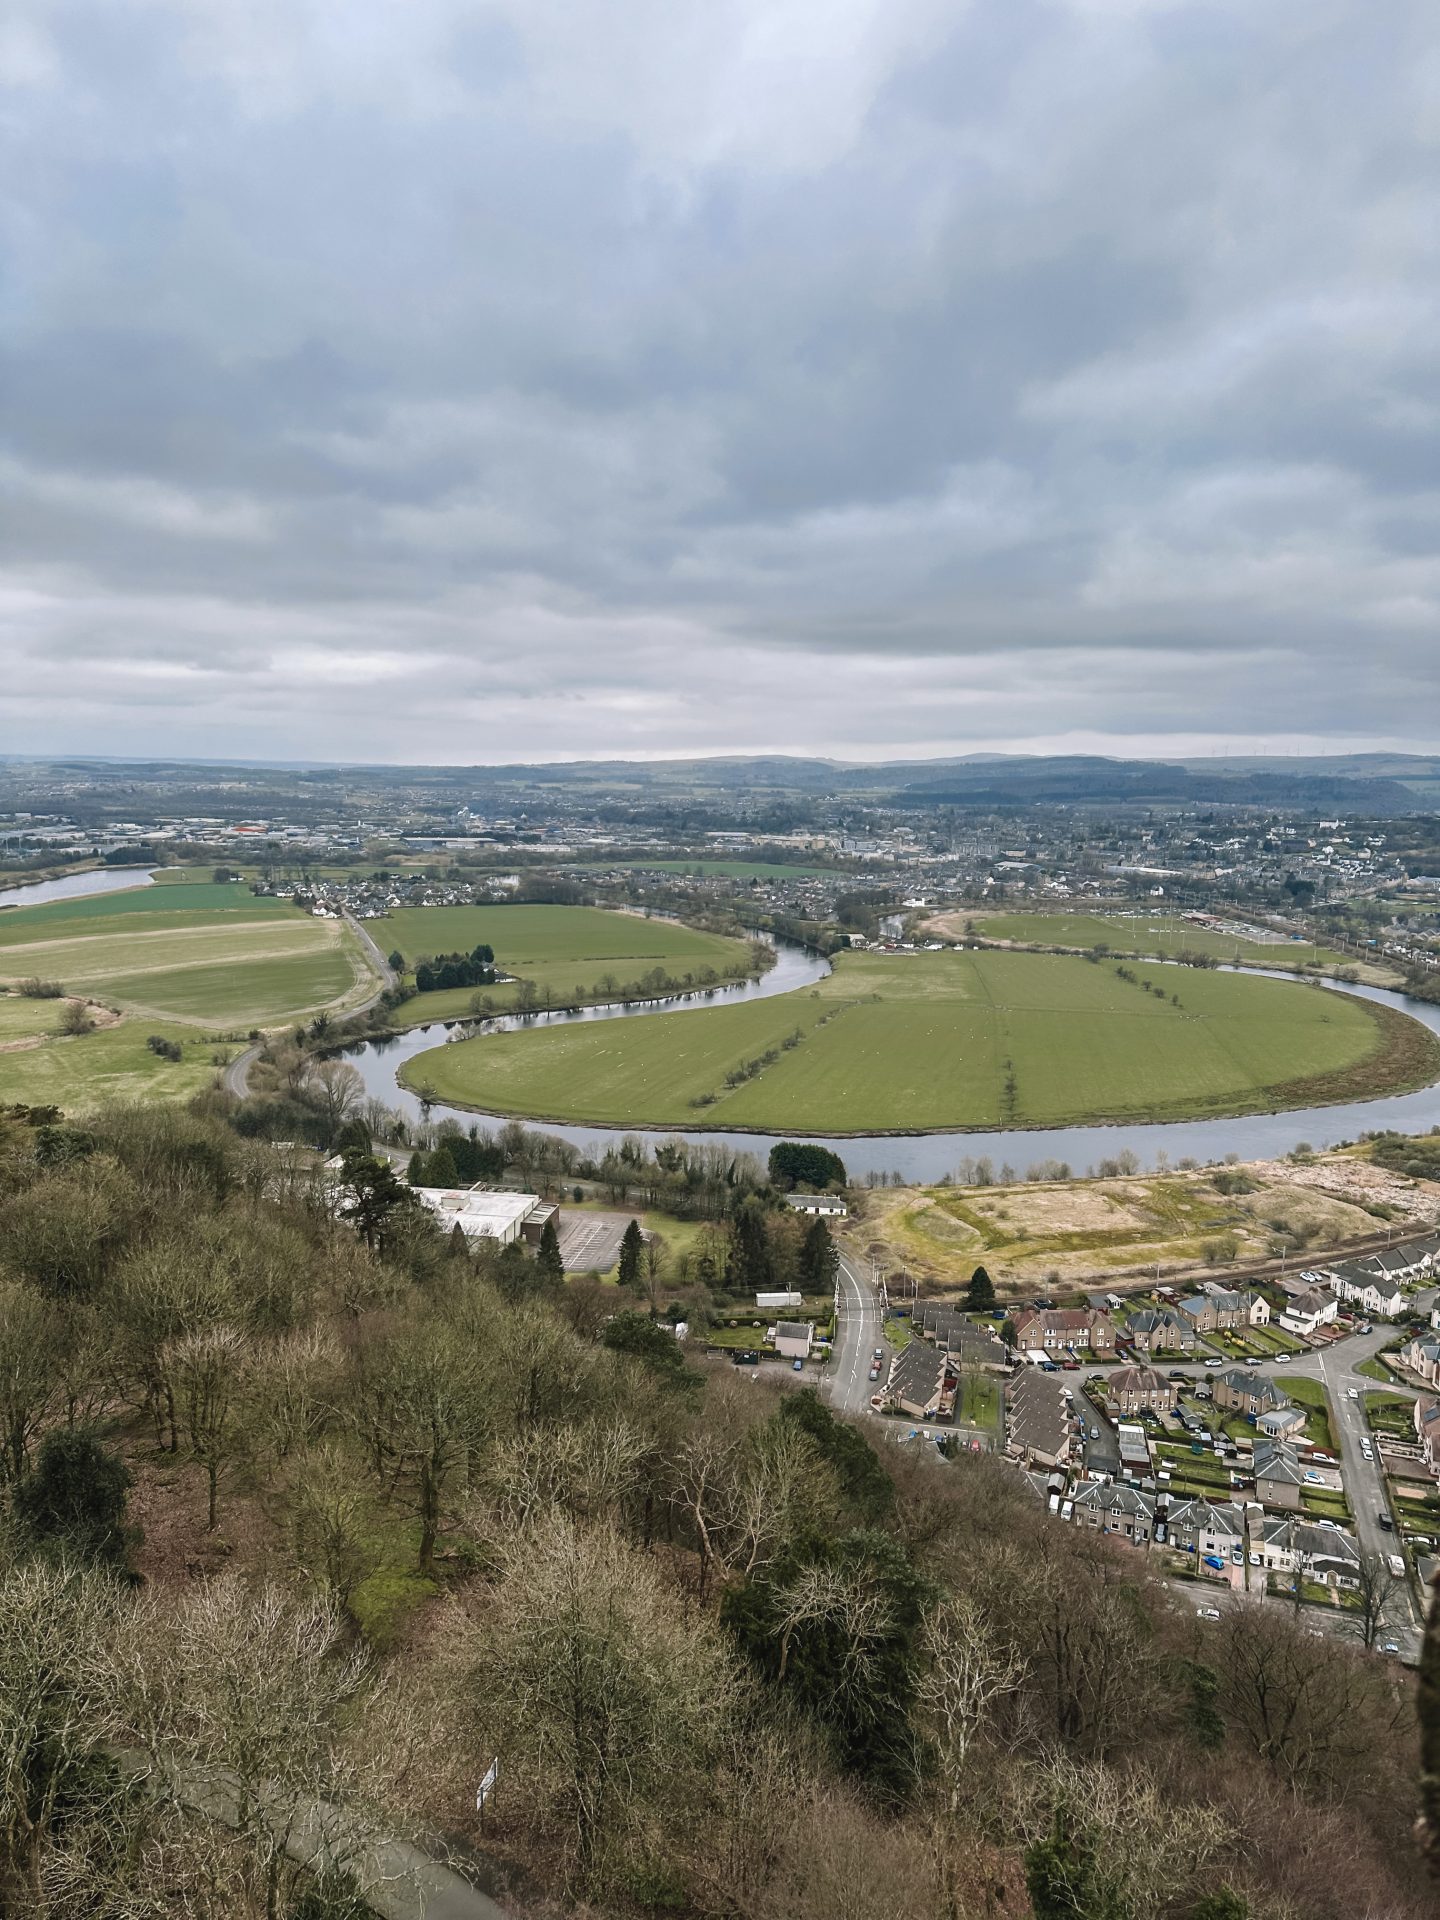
[(1354, 1393), (1207, 1613), (1214, 1363)]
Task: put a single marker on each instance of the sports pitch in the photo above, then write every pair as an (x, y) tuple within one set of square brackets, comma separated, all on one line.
[(950, 1040)]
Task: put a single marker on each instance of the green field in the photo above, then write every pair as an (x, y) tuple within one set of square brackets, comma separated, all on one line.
[(948, 1040), (190, 951), (172, 906), (40, 1067), (558, 949), (1140, 933)]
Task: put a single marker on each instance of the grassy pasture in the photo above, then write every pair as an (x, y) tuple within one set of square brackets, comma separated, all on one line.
[(191, 951), (1142, 933), (946, 1040), (556, 948), (113, 1063), (149, 908)]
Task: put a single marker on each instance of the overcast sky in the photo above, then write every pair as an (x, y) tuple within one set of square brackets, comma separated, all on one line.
[(463, 382)]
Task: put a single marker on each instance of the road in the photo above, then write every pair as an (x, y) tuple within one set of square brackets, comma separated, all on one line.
[(857, 1334), (236, 1078), (1337, 1370)]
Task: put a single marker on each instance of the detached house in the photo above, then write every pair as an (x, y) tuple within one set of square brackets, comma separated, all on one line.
[(1308, 1311), (1065, 1330)]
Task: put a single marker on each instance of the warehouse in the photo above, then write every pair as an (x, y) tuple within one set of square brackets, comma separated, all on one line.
[(481, 1213)]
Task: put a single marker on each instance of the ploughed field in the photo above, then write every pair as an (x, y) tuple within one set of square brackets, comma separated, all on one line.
[(567, 953), (933, 1041)]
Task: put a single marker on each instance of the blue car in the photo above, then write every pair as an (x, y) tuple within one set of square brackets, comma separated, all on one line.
[(797, 1366)]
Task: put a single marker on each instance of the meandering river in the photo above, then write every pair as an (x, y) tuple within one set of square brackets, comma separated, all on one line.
[(926, 1157)]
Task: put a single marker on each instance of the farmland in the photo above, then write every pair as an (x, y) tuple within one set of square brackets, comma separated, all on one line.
[(1164, 934), (949, 1040), (566, 953), (168, 961)]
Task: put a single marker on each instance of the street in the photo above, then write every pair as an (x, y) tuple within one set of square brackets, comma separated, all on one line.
[(857, 1334)]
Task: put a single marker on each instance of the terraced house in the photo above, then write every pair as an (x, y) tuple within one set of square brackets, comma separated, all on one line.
[(1065, 1330)]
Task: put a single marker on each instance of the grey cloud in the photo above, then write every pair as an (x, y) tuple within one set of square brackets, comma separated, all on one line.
[(850, 376)]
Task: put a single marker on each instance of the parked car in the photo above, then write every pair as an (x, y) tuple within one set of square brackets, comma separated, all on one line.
[(797, 1366), (1385, 1521), (1390, 1647), (1214, 1363), (879, 1353), (1207, 1613)]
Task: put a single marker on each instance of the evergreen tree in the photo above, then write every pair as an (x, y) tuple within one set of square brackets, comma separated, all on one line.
[(415, 1172), (632, 1244), (548, 1257), (75, 1499), (749, 1268), (980, 1294), (819, 1260), (441, 1170)]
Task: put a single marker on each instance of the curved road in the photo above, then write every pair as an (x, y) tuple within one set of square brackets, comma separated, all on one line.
[(236, 1077)]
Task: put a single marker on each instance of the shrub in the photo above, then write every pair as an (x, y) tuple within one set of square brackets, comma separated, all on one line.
[(36, 989)]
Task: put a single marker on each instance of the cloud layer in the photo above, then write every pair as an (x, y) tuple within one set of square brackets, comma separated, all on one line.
[(560, 377)]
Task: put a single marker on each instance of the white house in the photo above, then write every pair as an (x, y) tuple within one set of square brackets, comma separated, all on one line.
[(793, 1338), (1308, 1311), (1371, 1292), (828, 1205), (1324, 1553)]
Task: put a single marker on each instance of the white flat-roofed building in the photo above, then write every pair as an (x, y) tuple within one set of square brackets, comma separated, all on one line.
[(481, 1213)]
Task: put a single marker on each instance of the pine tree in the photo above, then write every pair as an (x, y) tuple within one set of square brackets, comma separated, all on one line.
[(547, 1257), (442, 1170), (980, 1295), (819, 1260), (415, 1172), (632, 1243)]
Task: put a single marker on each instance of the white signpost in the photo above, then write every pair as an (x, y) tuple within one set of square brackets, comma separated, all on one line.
[(487, 1785)]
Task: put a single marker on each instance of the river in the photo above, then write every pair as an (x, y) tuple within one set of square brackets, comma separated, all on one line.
[(75, 886), (923, 1158)]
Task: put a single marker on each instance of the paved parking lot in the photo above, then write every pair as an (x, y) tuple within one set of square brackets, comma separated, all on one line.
[(590, 1242)]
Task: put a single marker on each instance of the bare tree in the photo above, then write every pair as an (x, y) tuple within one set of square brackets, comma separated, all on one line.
[(610, 1705), (1376, 1588), (206, 1369), (336, 1091), (29, 1368)]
